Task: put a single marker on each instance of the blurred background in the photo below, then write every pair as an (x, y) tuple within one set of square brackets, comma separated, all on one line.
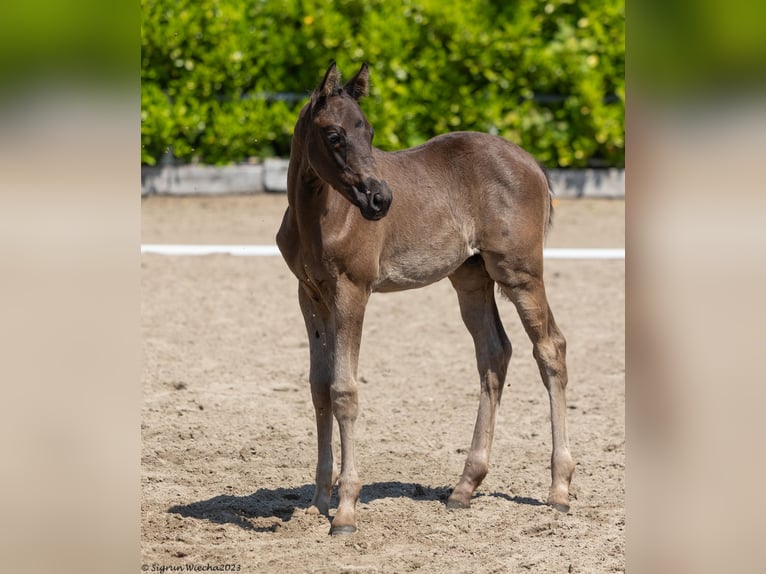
[(222, 81)]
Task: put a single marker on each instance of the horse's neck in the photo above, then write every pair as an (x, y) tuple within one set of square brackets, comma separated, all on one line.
[(314, 203)]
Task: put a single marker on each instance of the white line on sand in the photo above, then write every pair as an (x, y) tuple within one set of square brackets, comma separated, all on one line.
[(271, 250)]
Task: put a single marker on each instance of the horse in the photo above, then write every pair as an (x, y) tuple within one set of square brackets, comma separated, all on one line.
[(468, 206)]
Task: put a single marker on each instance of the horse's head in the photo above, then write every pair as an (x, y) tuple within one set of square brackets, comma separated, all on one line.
[(338, 142)]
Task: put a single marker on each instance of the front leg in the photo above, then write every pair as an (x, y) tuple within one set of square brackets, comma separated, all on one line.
[(349, 303), (316, 315)]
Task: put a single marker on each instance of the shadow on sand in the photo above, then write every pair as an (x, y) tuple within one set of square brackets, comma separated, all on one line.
[(281, 502)]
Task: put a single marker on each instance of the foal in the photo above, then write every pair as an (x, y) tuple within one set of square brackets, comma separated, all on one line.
[(467, 206)]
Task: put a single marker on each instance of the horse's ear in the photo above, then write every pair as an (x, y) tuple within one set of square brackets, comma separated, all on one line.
[(329, 84), (359, 85)]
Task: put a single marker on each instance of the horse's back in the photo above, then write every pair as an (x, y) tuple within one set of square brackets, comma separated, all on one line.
[(495, 185), (471, 161), (471, 146)]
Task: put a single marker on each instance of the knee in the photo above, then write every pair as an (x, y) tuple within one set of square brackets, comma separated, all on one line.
[(494, 353), (320, 391), (499, 357), (345, 401)]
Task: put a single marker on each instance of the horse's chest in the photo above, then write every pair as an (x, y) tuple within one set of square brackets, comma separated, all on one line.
[(319, 263)]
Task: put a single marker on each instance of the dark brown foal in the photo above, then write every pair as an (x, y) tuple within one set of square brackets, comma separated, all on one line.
[(468, 206)]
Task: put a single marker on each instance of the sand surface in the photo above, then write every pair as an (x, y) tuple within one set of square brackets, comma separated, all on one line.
[(228, 427)]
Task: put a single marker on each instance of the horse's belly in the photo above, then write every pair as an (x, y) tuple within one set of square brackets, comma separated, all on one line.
[(412, 272)]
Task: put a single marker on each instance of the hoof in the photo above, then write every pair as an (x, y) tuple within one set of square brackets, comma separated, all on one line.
[(558, 498), (314, 510), (454, 503), (342, 530), (560, 506)]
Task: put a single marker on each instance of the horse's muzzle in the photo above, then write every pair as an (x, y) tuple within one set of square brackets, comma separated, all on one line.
[(373, 198)]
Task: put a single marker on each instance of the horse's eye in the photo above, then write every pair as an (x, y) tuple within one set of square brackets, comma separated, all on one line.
[(334, 138)]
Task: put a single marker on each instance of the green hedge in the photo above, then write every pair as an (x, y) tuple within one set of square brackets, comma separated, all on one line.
[(223, 80)]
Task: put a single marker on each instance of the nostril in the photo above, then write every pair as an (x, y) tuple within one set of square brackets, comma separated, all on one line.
[(376, 201)]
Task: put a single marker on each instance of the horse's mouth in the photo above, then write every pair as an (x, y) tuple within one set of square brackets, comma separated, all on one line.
[(371, 215), (373, 199)]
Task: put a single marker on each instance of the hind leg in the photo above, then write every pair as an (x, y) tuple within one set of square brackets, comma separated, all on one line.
[(527, 291), (475, 291)]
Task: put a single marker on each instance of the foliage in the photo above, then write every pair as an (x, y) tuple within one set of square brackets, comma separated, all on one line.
[(217, 75)]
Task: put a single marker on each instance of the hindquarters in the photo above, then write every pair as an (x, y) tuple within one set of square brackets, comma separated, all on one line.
[(512, 223), (511, 203)]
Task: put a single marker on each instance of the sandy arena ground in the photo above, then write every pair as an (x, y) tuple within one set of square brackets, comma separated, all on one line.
[(228, 426)]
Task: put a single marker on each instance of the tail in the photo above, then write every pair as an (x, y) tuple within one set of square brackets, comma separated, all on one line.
[(549, 223)]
